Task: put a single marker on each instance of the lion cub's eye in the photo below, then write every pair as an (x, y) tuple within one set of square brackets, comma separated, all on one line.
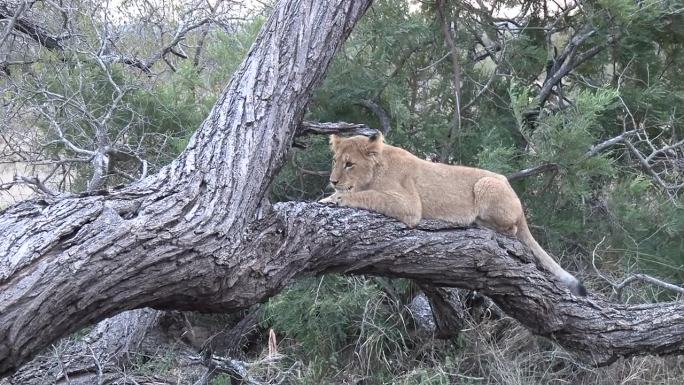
[(348, 165)]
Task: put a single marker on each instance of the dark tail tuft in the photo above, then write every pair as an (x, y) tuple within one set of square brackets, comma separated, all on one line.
[(580, 290)]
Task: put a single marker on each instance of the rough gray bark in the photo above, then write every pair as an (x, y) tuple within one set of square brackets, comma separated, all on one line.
[(309, 238), (200, 235), (448, 310), (95, 358), (70, 262), (497, 267)]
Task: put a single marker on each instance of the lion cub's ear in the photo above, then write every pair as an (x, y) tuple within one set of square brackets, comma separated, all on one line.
[(335, 141), (375, 143)]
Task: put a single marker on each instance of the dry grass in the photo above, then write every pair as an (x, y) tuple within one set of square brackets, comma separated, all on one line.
[(488, 352)]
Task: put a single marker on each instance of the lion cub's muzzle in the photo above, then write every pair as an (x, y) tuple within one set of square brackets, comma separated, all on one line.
[(340, 188)]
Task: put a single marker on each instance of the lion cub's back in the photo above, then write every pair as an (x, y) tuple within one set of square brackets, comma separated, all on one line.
[(446, 191)]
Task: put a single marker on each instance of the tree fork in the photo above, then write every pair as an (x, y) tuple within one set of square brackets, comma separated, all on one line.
[(66, 262)]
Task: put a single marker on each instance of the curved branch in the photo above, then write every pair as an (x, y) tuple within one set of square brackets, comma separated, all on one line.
[(565, 63), (379, 112)]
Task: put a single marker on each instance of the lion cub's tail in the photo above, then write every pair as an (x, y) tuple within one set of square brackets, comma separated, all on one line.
[(549, 263)]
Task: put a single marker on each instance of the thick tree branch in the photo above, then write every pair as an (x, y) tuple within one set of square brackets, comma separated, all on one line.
[(448, 310), (95, 357)]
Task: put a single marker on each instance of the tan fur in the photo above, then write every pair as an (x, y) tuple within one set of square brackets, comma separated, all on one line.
[(369, 174)]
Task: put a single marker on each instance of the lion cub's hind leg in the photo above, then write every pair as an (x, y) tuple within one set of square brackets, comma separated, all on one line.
[(498, 206)]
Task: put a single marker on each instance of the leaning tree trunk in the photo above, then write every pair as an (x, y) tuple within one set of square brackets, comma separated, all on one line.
[(200, 235), (66, 263)]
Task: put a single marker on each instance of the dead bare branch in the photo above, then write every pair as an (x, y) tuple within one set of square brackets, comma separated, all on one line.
[(619, 286), (4, 12), (34, 31), (327, 128), (600, 147), (33, 181), (647, 278), (564, 64), (379, 112), (547, 167)]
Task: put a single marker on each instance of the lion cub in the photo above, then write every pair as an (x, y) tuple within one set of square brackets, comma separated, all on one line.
[(369, 174)]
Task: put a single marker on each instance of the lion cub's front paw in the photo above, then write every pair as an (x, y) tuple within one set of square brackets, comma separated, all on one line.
[(334, 199), (343, 199), (326, 200)]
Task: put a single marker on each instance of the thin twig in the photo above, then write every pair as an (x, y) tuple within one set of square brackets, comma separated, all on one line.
[(34, 182), (649, 279), (619, 286), (533, 171)]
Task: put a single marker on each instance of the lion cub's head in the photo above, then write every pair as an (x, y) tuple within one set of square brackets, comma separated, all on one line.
[(354, 161)]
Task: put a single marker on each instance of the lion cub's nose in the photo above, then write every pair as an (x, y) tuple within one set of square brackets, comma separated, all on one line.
[(334, 182)]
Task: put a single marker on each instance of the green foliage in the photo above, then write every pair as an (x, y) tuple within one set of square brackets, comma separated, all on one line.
[(228, 50), (645, 228), (498, 158), (221, 379), (305, 175), (173, 110), (521, 101), (158, 365), (333, 319)]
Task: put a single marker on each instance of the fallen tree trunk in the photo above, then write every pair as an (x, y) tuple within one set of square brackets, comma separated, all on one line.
[(308, 238), (200, 235)]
